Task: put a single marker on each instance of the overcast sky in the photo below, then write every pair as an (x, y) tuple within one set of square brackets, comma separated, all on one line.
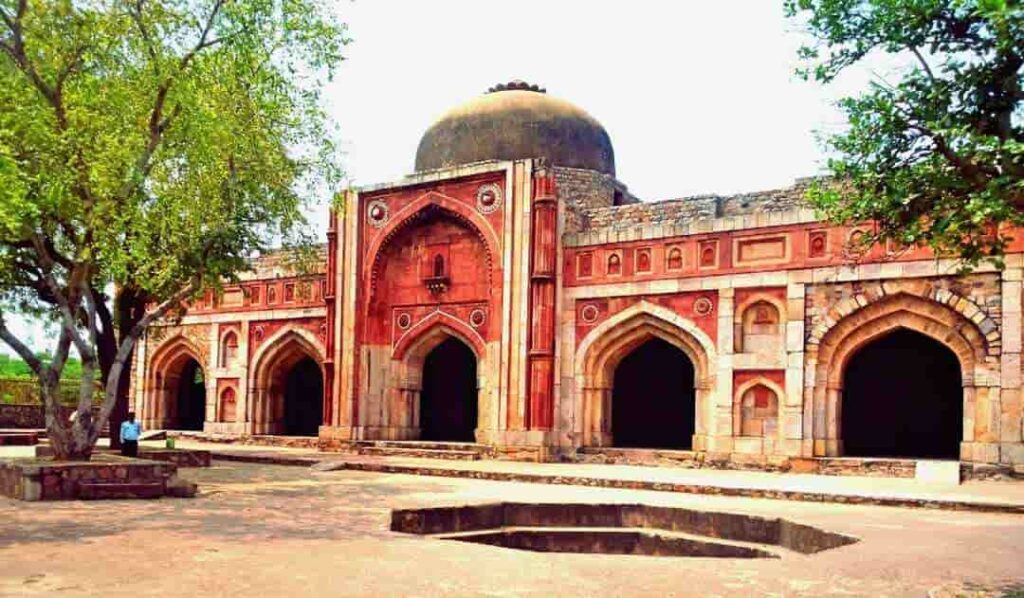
[(698, 97)]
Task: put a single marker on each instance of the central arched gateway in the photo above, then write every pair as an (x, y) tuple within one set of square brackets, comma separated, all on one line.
[(653, 399), (903, 397), (448, 398)]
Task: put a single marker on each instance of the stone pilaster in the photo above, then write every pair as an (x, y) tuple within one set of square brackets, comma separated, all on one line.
[(791, 424)]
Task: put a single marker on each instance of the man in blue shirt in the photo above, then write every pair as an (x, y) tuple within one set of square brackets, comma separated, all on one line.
[(130, 432)]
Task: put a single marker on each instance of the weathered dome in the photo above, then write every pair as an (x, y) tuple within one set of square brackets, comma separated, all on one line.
[(516, 121)]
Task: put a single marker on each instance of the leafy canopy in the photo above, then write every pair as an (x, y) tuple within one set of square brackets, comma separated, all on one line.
[(936, 157), (159, 141), (151, 146)]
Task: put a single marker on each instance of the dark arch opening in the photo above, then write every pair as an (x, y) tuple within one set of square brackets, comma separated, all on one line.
[(654, 398), (448, 399), (903, 397), (191, 399), (303, 399)]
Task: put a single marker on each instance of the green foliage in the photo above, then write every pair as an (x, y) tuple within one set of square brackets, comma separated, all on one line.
[(16, 368), (935, 158), (152, 147)]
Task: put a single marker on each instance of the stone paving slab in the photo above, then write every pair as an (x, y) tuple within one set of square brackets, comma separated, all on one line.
[(1000, 497), (264, 530)]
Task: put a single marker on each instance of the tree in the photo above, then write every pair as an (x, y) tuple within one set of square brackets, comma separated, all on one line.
[(936, 157), (147, 151)]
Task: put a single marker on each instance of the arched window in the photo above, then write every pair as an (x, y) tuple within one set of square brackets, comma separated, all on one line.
[(438, 266), (614, 264), (760, 329), (643, 260), (675, 259), (228, 349), (228, 404), (758, 412), (707, 255)]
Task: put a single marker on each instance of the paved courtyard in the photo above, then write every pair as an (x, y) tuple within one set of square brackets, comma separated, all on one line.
[(259, 530)]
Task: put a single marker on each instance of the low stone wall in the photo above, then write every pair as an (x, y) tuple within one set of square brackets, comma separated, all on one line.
[(310, 442), (179, 457), (104, 477), (29, 417), (22, 391)]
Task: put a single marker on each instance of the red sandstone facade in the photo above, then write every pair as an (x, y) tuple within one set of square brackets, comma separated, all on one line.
[(540, 309)]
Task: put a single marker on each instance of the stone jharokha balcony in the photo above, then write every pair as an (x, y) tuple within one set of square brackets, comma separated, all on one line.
[(617, 529)]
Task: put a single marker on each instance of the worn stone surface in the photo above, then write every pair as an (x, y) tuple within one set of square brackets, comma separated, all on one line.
[(258, 530)]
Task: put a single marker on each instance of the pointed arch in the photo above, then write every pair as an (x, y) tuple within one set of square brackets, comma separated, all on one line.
[(431, 330), (830, 352), (166, 367), (228, 350), (604, 347), (269, 366), (425, 205)]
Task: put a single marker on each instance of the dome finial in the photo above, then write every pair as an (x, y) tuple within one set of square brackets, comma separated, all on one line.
[(518, 85)]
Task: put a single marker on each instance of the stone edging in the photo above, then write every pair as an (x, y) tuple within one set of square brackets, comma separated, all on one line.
[(704, 489)]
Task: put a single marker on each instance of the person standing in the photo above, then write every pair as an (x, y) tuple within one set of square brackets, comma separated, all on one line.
[(130, 432)]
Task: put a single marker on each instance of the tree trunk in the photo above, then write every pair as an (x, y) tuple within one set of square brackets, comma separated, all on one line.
[(69, 441), (129, 308)]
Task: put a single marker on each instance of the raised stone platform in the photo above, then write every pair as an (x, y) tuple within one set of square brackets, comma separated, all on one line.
[(105, 476), (987, 496), (18, 437), (177, 456), (309, 442), (458, 451)]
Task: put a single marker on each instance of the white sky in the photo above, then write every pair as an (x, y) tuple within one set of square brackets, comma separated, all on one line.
[(698, 97)]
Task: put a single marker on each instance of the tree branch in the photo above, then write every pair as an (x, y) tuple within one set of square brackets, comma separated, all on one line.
[(20, 348), (126, 347), (63, 303), (144, 32), (158, 123), (924, 63)]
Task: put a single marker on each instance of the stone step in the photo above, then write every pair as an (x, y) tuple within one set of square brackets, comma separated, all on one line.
[(434, 445), (112, 490), (421, 453), (18, 438)]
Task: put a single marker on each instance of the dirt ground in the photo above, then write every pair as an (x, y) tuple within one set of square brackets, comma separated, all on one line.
[(259, 530)]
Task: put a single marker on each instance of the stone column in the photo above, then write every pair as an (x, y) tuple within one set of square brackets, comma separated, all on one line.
[(791, 424), (718, 411), (1011, 451), (543, 269)]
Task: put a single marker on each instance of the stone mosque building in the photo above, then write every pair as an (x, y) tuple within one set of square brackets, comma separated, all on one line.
[(511, 298)]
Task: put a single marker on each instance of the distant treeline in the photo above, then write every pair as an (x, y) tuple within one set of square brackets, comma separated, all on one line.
[(15, 367)]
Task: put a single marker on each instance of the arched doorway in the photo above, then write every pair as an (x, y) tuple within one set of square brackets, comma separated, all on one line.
[(191, 398), (303, 399), (448, 397), (902, 397), (653, 398)]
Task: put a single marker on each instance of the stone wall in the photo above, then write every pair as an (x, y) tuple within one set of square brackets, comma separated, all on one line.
[(36, 479), (984, 290), (688, 209), (583, 190), (20, 391), (29, 416), (651, 214)]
